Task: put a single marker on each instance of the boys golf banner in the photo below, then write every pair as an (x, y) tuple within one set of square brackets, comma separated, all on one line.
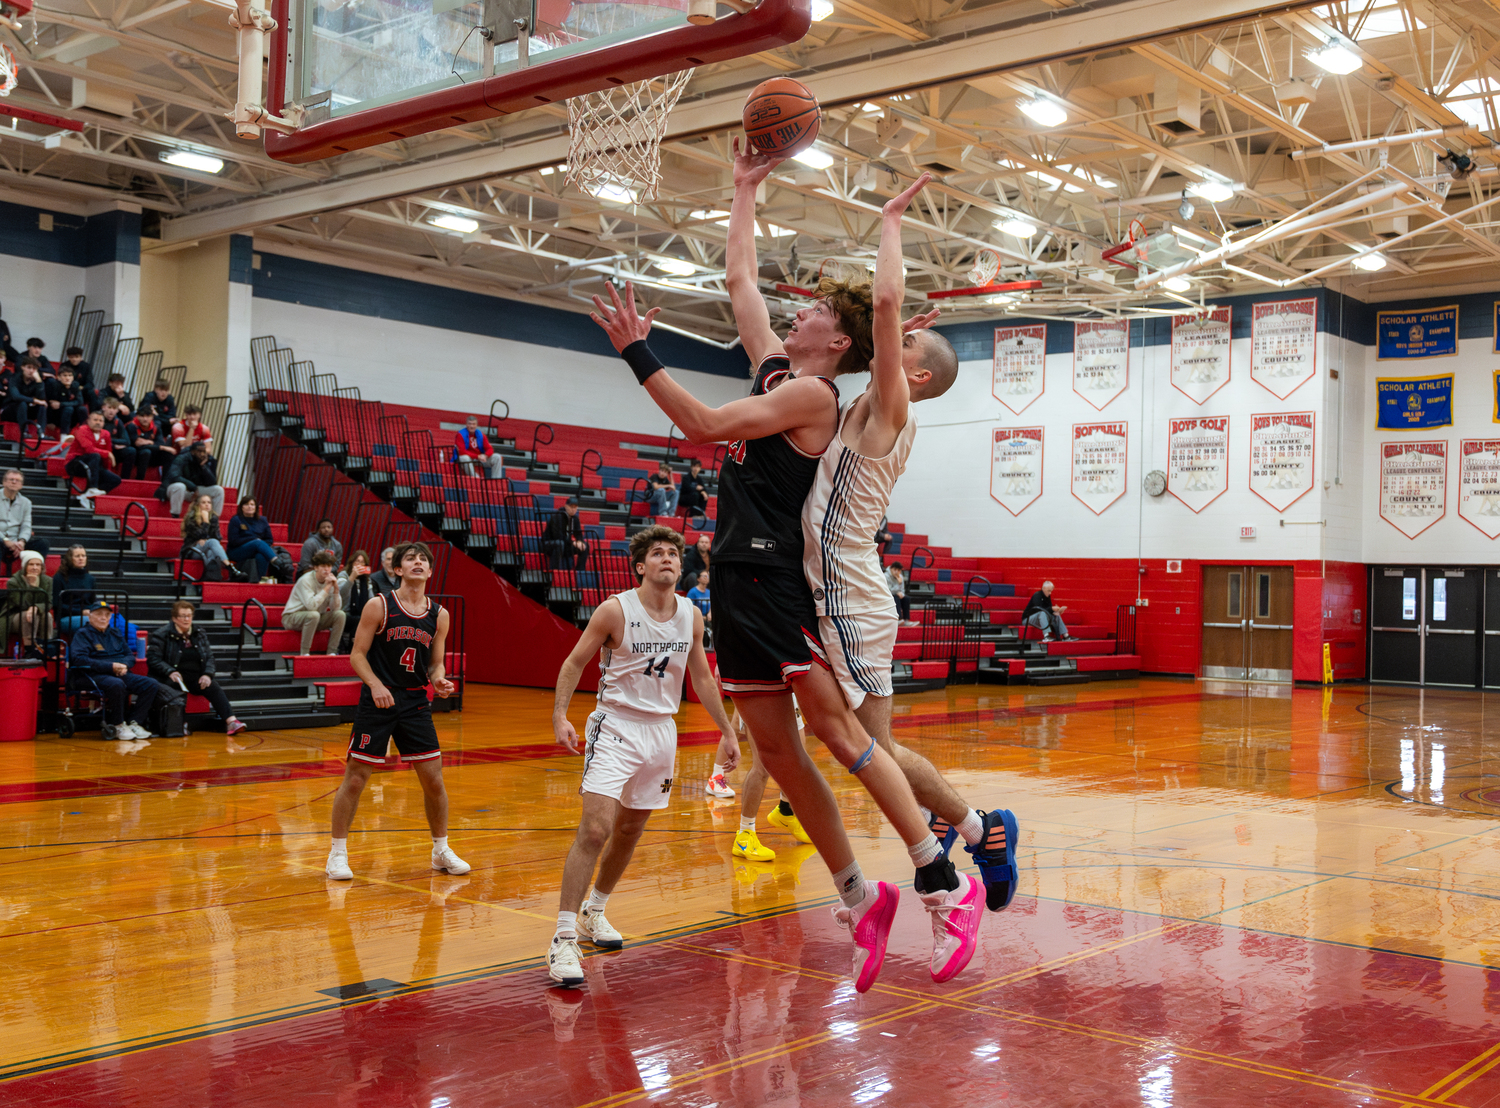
[(1413, 403), (1431, 333)]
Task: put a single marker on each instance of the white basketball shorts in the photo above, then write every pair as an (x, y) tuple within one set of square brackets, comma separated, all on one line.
[(632, 762), (859, 650)]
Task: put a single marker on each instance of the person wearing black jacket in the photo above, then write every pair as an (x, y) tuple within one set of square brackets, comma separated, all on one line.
[(115, 387), (119, 437), (695, 561), (1040, 613), (163, 405), (34, 351), (249, 536), (100, 650), (65, 400), (150, 447), (179, 656), (563, 538), (693, 495), (195, 473), (83, 377), (72, 589), (27, 399), (11, 354)]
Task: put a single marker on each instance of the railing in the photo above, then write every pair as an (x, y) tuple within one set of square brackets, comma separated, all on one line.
[(642, 484), (583, 463), (537, 440), (494, 424), (126, 534), (260, 636), (1125, 616), (931, 558), (717, 457), (673, 433), (969, 586), (147, 370), (75, 486)]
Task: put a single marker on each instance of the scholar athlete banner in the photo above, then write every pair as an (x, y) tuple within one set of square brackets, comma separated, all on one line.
[(1281, 457), (1479, 484), (1413, 403), (1101, 360), (1198, 460), (1016, 467), (1020, 365), (1413, 485), (1430, 333), (1283, 345), (1200, 353), (1099, 453)]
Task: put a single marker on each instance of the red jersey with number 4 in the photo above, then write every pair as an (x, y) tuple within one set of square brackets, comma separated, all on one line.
[(402, 649)]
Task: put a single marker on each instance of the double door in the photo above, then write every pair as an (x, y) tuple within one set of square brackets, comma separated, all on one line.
[(1426, 626), (1247, 622)]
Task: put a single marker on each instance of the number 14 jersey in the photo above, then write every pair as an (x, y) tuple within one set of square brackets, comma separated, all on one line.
[(641, 679)]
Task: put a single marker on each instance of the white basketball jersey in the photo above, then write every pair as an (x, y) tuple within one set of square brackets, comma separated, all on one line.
[(642, 677), (849, 497)]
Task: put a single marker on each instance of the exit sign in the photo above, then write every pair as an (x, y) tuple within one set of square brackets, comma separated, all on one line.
[(1247, 532)]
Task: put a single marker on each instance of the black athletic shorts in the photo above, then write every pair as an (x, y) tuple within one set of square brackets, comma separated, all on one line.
[(408, 721), (765, 628)]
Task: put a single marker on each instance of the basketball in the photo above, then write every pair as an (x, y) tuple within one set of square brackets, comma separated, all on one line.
[(781, 117)]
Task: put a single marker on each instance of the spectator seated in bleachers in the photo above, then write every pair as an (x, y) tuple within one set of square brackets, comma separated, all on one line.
[(83, 376), (695, 561), (34, 348), (100, 650), (200, 539), (119, 437), (250, 537), (163, 406), (315, 604), (664, 492), (320, 540), (16, 534), (11, 355), (72, 589), (192, 473), (26, 400), (178, 653), (472, 447), (694, 494), (190, 429), (115, 387), (28, 605), (149, 446), (383, 580), (699, 595), (563, 538), (356, 589), (895, 578), (66, 406), (1043, 614), (90, 455)]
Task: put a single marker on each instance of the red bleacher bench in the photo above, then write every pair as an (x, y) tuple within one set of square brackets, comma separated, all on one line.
[(929, 671)]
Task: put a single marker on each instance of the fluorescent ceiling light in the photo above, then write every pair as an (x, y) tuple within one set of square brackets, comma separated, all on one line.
[(1000, 301), (814, 158), (1370, 262), (550, 169), (1177, 284), (188, 159), (450, 222), (821, 10), (1046, 112), (1335, 58), (675, 266), (1215, 192), (1020, 228)]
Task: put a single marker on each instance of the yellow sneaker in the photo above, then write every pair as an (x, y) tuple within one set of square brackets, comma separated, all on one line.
[(788, 823), (747, 846)]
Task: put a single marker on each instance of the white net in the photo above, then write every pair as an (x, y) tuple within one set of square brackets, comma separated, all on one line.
[(614, 137), (7, 70), (986, 265)]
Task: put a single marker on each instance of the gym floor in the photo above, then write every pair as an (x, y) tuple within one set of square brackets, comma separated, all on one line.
[(1230, 895)]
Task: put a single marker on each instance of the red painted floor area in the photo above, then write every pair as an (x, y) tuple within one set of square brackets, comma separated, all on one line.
[(1065, 1006)]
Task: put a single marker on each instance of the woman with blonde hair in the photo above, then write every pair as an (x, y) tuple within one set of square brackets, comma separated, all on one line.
[(200, 539), (30, 604)]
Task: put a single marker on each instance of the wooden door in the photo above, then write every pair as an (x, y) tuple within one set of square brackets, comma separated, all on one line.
[(1269, 611), (1224, 623)]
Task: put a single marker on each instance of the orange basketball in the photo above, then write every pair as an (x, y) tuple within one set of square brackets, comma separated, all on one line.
[(781, 117)]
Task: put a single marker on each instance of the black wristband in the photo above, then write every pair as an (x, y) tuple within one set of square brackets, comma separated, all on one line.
[(641, 361)]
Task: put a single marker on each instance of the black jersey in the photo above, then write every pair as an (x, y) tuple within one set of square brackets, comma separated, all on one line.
[(762, 486), (402, 649)]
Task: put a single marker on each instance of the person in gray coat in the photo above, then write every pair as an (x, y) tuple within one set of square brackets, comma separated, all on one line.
[(320, 540)]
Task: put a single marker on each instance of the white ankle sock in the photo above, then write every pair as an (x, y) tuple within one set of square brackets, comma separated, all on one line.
[(747, 823), (440, 844), (972, 828), (567, 925), (340, 846), (849, 882), (718, 770), (598, 900), (925, 851)]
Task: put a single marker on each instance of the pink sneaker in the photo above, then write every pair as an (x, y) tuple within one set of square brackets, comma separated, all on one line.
[(955, 923), (236, 727), (870, 924)]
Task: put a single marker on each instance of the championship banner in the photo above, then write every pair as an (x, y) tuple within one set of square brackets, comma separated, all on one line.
[(1099, 453), (1101, 360), (1496, 349), (1016, 467), (1200, 353), (1479, 484), (1020, 365), (1413, 485), (1281, 457), (1432, 333), (1413, 403), (1283, 345), (1198, 460)]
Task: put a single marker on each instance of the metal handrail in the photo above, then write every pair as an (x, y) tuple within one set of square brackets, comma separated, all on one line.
[(583, 463), (239, 654), (968, 585), (126, 534), (537, 440), (720, 453), (72, 491), (931, 558), (672, 433), (639, 482), (502, 419)]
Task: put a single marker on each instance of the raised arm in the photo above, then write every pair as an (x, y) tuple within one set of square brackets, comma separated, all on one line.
[(890, 395), (741, 264), (605, 626)]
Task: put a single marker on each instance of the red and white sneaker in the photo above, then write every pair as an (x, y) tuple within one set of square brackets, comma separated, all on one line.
[(955, 924), (870, 924), (235, 727), (719, 787)]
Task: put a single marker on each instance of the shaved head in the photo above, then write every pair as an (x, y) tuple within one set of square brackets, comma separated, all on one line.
[(940, 360)]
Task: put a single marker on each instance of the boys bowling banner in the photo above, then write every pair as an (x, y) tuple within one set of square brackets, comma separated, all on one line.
[(1020, 365), (1281, 457), (1413, 485), (1413, 403), (1198, 460), (1479, 484), (1101, 360), (1200, 353), (1016, 467), (1099, 453), (1431, 333), (1283, 345)]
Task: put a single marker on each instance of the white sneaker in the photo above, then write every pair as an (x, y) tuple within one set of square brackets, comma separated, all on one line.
[(717, 786), (596, 929), (92, 491), (135, 730), (565, 962), (445, 859), (85, 503), (338, 866)]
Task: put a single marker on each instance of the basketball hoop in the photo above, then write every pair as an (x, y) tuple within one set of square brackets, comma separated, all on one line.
[(614, 136), (8, 70), (986, 265)]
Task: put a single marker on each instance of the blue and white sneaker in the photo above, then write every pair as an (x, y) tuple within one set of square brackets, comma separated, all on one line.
[(995, 855), (945, 833)]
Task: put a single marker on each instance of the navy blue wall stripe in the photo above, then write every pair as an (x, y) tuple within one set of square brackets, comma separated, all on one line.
[(241, 259), (74, 240)]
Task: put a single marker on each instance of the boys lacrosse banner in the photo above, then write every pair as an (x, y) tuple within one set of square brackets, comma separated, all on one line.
[(1283, 345)]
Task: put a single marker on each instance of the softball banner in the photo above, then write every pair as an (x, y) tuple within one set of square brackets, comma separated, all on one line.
[(1099, 455)]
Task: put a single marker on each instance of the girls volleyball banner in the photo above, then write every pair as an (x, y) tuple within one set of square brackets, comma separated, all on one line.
[(1281, 457), (1101, 360), (1020, 365), (1200, 353), (1016, 467), (1198, 460), (1099, 451), (1283, 345), (1413, 485), (1479, 484)]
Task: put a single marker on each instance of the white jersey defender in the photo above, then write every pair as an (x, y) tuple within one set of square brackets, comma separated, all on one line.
[(856, 612), (630, 750)]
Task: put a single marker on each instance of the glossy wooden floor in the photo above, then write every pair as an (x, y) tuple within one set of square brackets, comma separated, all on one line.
[(1231, 896)]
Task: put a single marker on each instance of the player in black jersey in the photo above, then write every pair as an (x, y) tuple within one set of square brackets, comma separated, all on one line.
[(398, 649)]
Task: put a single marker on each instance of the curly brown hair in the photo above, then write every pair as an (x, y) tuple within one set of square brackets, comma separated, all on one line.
[(853, 305), (643, 540)]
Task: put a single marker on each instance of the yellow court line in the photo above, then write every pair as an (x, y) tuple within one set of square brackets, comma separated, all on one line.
[(1485, 1061)]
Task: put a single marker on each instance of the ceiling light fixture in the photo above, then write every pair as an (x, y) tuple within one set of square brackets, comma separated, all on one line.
[(675, 266), (1020, 228), (1215, 192), (814, 158), (450, 222), (821, 10), (1336, 58), (1046, 112), (189, 159), (1177, 284), (613, 193), (1369, 261)]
